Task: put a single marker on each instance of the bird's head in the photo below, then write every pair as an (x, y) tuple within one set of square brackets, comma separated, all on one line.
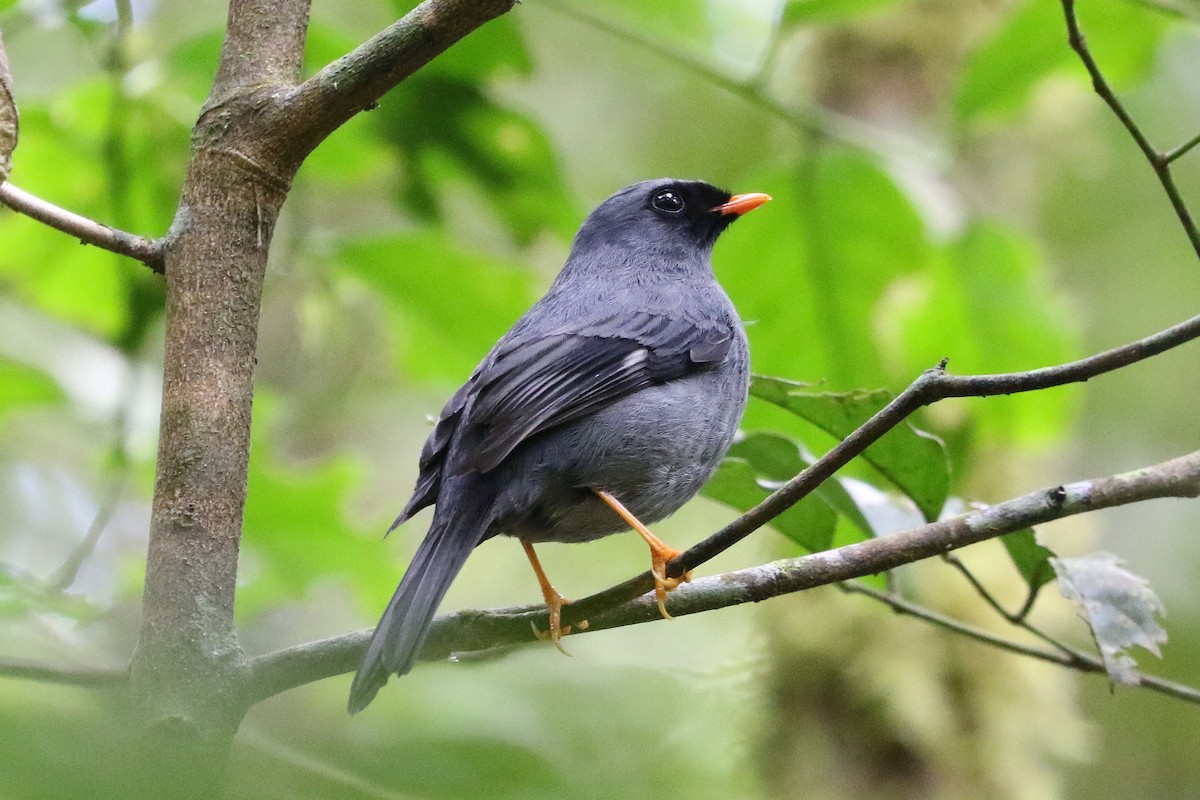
[(662, 219)]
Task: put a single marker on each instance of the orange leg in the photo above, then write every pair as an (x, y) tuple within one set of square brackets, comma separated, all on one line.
[(554, 601), (660, 552)]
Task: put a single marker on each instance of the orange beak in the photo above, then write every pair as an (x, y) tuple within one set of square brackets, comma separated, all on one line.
[(741, 203)]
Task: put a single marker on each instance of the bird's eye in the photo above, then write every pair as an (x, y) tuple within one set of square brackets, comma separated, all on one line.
[(667, 201)]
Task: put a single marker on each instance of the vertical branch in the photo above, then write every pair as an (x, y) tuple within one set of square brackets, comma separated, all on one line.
[(1160, 162), (185, 676)]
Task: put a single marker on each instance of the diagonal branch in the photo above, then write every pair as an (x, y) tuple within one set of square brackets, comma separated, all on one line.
[(475, 631), (932, 385), (1159, 162), (87, 231), (356, 81), (1064, 656), (54, 673)]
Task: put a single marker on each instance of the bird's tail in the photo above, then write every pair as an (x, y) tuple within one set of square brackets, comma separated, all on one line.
[(457, 528)]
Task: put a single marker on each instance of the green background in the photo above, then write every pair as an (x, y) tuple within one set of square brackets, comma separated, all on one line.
[(945, 184)]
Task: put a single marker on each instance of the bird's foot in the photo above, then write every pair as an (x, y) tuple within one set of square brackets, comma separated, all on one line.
[(660, 553), (660, 556), (555, 602)]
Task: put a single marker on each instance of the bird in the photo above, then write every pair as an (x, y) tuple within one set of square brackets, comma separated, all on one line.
[(605, 407)]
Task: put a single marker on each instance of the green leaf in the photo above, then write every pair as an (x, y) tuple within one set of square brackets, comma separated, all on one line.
[(777, 459), (1033, 44), (22, 385), (810, 523), (988, 307), (451, 135), (1031, 558), (999, 75), (450, 305), (806, 12), (1118, 606), (683, 22), (911, 459), (836, 237), (296, 532)]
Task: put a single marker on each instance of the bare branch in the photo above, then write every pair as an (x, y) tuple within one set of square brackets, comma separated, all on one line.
[(356, 81), (473, 631), (87, 231), (1066, 656), (1176, 152), (931, 386), (264, 45), (54, 673), (64, 577), (1160, 162)]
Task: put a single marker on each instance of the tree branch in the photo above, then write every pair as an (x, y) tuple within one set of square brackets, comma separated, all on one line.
[(356, 81), (1159, 162), (475, 631), (931, 386), (1065, 656), (87, 231), (54, 673), (264, 45)]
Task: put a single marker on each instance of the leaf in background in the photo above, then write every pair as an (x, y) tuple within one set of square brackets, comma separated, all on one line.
[(1118, 606), (24, 385), (679, 21), (451, 134), (22, 594), (805, 12), (988, 307), (295, 522), (1032, 44), (816, 264), (1000, 74), (451, 305), (86, 286), (777, 459), (810, 523), (1031, 558), (913, 460)]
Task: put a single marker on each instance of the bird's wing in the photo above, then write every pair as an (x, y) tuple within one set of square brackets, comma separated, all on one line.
[(535, 383), (531, 383)]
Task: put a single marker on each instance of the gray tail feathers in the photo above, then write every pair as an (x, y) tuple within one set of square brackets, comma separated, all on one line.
[(457, 528)]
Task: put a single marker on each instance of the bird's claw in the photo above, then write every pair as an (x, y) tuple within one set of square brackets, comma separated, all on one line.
[(663, 584), (554, 603)]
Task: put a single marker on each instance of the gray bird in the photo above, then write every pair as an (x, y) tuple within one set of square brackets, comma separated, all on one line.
[(607, 405)]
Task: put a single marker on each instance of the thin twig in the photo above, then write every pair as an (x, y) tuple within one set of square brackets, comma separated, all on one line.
[(806, 119), (117, 171), (298, 761), (312, 110), (931, 386), (56, 673), (1159, 162), (88, 231), (994, 603), (1070, 657), (68, 571), (1175, 153), (474, 631)]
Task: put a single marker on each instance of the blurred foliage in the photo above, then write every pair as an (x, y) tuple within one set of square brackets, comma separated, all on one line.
[(969, 200)]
